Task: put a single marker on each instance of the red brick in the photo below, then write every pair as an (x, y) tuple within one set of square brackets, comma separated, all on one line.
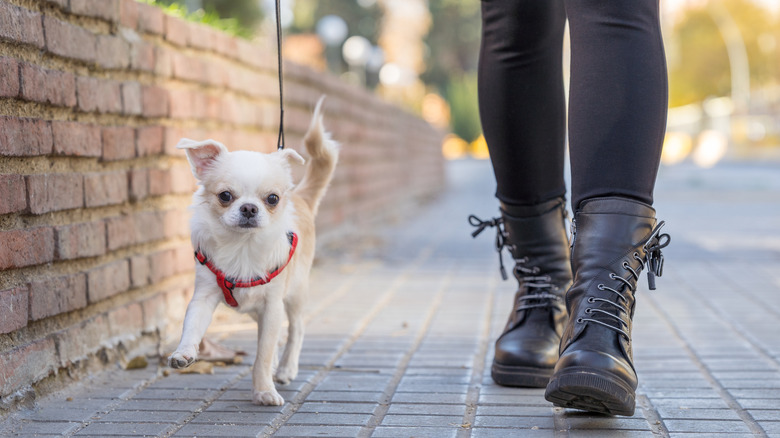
[(139, 184), (150, 140), (108, 280), (120, 231), (77, 342), (106, 9), (201, 36), (176, 224), (150, 19), (183, 104), (131, 98), (118, 143), (54, 192), (155, 101), (26, 247), (177, 30), (163, 265), (155, 313), (128, 13), (20, 25), (13, 307), (47, 86), (149, 226), (79, 139), (106, 188), (188, 68), (27, 365), (86, 239), (142, 55), (24, 137), (9, 77), (112, 52), (14, 194), (140, 270), (125, 322), (52, 296), (184, 261), (98, 95), (182, 180), (69, 41), (163, 61), (159, 182)]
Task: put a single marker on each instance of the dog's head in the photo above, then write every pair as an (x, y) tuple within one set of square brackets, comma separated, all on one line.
[(241, 191)]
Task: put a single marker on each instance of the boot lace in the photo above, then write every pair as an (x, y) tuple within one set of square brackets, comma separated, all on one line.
[(538, 286), (653, 261), (501, 236)]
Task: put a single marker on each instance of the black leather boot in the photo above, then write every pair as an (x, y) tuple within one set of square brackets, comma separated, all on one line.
[(527, 350), (614, 239)]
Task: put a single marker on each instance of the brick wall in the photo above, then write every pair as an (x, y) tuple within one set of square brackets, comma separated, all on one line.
[(95, 260)]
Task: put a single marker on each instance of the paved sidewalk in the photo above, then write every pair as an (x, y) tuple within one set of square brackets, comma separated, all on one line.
[(399, 339)]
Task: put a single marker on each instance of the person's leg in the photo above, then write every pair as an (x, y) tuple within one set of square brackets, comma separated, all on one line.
[(617, 98), (523, 117), (617, 116), (521, 97)]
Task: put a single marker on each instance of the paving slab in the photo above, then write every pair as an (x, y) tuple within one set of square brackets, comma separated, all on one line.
[(400, 335)]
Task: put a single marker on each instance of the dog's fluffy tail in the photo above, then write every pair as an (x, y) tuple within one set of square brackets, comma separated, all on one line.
[(323, 155)]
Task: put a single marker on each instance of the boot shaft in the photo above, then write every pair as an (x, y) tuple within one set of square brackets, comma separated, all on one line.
[(536, 237)]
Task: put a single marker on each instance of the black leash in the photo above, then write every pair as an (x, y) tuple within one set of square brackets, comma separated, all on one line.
[(280, 140)]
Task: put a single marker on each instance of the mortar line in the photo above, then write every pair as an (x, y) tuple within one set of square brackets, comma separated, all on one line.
[(652, 416), (560, 424), (387, 395), (732, 403), (309, 386), (478, 368)]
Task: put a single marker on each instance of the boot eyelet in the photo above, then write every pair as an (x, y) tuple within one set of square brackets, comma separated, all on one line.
[(625, 265), (580, 320), (601, 287), (591, 300), (536, 269), (588, 310), (612, 276)]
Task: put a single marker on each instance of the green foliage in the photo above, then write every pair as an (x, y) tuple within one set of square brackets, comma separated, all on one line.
[(235, 17), (698, 60), (453, 44), (461, 93)]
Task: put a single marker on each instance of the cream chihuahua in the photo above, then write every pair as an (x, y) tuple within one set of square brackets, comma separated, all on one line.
[(253, 232)]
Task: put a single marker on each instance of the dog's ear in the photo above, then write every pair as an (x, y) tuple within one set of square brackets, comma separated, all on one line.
[(201, 154), (291, 156)]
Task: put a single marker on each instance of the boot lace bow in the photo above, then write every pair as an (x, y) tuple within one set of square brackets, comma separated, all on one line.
[(538, 285), (653, 261)]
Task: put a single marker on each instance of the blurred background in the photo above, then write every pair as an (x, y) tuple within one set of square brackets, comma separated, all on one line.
[(723, 63)]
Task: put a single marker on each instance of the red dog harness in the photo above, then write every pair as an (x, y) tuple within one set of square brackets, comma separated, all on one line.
[(228, 284)]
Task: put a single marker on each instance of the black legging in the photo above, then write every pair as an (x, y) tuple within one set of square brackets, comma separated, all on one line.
[(617, 99)]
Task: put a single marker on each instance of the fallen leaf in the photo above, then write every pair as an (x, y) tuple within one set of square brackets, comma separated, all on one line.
[(137, 363), (199, 367)]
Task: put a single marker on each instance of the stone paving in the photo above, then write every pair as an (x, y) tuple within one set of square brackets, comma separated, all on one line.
[(399, 337)]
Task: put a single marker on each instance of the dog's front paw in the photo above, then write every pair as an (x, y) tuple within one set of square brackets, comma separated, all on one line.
[(181, 360), (267, 398), (285, 375)]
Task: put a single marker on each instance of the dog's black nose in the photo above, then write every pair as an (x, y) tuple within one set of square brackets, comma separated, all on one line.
[(248, 210)]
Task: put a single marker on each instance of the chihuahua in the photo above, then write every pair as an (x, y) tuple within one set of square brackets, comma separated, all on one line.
[(253, 232)]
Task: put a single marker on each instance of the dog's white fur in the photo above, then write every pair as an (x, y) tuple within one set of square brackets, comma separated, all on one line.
[(244, 248)]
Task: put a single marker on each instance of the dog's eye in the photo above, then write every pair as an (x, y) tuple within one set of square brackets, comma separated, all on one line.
[(272, 199), (225, 196)]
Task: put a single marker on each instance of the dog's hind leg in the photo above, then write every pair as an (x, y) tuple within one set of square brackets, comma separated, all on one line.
[(268, 329), (288, 366)]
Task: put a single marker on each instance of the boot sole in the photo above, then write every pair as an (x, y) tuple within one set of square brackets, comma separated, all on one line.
[(592, 391), (526, 377)]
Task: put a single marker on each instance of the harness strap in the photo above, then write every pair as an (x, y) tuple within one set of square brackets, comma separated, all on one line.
[(227, 284)]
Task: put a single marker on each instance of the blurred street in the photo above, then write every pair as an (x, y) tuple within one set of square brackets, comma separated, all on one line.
[(399, 337)]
